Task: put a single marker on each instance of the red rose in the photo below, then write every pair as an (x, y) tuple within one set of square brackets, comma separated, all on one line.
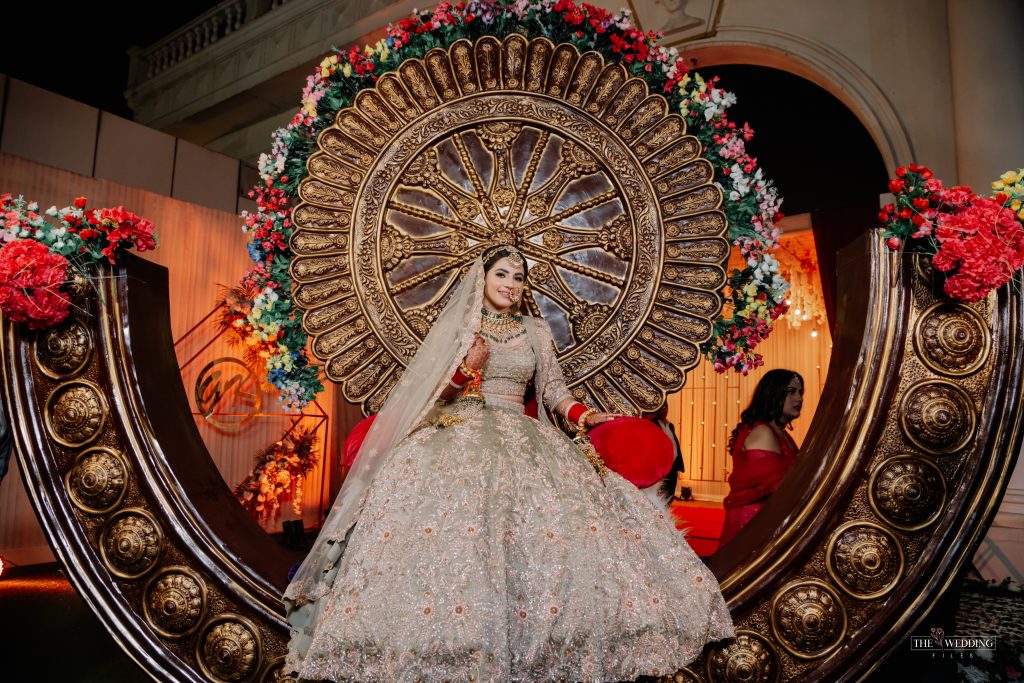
[(893, 243), (896, 186), (901, 171), (30, 281), (920, 203), (905, 213), (957, 196), (80, 202)]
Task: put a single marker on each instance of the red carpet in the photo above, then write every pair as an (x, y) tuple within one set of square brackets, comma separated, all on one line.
[(704, 519)]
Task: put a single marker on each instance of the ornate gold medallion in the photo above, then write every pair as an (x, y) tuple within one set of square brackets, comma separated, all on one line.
[(563, 157)]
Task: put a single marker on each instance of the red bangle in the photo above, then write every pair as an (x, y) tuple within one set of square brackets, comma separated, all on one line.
[(574, 413), (458, 378)]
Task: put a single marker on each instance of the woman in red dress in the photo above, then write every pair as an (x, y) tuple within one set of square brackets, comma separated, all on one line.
[(761, 449)]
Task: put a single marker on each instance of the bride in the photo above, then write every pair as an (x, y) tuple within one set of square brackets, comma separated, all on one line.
[(471, 542)]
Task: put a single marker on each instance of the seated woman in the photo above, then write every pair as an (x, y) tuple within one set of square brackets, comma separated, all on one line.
[(471, 542), (761, 449)]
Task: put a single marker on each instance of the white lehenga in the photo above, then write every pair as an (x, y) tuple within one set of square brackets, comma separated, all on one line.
[(490, 550)]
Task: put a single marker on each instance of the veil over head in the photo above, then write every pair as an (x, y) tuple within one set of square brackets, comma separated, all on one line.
[(411, 398)]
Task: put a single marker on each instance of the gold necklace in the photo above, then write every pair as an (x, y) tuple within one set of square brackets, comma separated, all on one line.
[(501, 327)]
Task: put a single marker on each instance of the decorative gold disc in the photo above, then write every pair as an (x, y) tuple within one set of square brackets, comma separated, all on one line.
[(519, 142)]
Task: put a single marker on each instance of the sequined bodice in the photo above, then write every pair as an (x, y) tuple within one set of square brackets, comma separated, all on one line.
[(509, 369)]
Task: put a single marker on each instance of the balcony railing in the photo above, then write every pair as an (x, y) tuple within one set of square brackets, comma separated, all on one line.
[(199, 34)]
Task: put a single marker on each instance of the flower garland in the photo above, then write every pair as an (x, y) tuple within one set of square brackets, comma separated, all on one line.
[(756, 295), (279, 473), (976, 242), (37, 254)]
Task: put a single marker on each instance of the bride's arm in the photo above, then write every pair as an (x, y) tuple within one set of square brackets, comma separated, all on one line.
[(553, 391), (475, 359)]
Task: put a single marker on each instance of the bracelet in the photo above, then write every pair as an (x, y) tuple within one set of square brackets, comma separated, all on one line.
[(469, 372), (581, 424), (574, 412), (459, 379)]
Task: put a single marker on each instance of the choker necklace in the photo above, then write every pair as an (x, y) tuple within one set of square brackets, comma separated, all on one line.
[(501, 327)]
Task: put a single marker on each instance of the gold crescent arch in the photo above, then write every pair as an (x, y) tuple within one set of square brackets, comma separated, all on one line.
[(901, 473), (515, 141)]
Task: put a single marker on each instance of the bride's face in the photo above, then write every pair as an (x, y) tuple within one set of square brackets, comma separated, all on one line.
[(503, 285)]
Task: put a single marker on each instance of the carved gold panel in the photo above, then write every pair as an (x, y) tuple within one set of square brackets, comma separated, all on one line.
[(174, 602), (98, 480), (229, 648), (520, 142), (62, 351), (75, 413)]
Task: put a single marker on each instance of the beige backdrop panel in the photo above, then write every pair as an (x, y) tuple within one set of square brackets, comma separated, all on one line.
[(202, 249)]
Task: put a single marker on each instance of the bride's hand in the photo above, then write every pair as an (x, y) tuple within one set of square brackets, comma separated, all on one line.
[(477, 355), (595, 419)]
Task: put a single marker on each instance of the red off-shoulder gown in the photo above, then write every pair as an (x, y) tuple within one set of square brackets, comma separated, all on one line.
[(756, 474)]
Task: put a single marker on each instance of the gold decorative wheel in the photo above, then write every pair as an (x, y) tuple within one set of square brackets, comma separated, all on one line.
[(518, 142)]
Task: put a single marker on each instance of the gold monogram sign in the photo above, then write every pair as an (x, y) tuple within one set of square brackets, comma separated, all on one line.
[(518, 142)]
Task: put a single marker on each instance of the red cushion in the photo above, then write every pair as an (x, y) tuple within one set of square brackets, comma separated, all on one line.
[(635, 448), (355, 439)]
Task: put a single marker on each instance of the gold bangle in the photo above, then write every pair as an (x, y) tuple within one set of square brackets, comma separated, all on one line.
[(472, 373), (581, 424)]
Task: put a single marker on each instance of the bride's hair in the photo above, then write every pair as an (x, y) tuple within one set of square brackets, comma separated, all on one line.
[(495, 255), (768, 400)]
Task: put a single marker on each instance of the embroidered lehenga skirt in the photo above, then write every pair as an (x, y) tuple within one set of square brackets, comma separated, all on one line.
[(490, 550)]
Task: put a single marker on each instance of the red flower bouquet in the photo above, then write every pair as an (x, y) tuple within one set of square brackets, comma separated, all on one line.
[(39, 253), (978, 242), (982, 244), (30, 281)]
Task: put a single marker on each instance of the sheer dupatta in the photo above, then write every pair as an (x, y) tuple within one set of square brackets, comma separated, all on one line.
[(412, 397)]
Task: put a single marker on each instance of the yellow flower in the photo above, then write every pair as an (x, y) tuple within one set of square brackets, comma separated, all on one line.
[(326, 63), (368, 50), (324, 73), (1010, 177), (997, 184), (346, 69), (333, 59)]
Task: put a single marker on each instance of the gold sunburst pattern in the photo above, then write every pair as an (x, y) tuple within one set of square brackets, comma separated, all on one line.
[(518, 142)]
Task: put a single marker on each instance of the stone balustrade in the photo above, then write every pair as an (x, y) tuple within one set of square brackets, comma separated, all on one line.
[(199, 34)]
